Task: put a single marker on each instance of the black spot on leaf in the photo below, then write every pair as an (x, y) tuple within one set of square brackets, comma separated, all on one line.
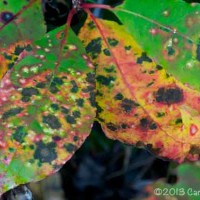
[(106, 52), (53, 88), (6, 16), (74, 88), (45, 153), (55, 106), (80, 102), (18, 50), (58, 81), (94, 48), (105, 80), (169, 95), (179, 121), (28, 92), (56, 138), (41, 85), (118, 96), (143, 58), (194, 150), (170, 51), (76, 114), (70, 119), (127, 47), (19, 134), (70, 148), (128, 105), (64, 110), (153, 126), (158, 67), (11, 112), (112, 42), (144, 123), (52, 121), (112, 126), (90, 78)]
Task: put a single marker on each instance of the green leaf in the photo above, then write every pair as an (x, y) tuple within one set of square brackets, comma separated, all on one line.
[(46, 108), (168, 31)]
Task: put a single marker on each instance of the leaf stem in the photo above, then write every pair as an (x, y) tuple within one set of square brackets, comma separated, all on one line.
[(91, 5)]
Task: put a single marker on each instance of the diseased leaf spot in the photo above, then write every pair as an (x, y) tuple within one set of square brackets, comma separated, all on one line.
[(70, 119), (41, 85), (28, 92), (128, 105), (70, 148), (18, 50), (158, 67), (53, 88), (55, 106), (194, 150), (153, 126), (112, 42), (90, 78), (19, 134), (64, 110), (11, 112), (106, 52), (99, 109), (118, 96), (56, 138), (112, 126), (109, 69), (179, 121), (76, 138), (26, 99), (6, 16), (105, 80), (92, 99), (160, 114), (45, 153), (76, 114), (74, 88), (80, 102), (94, 48), (170, 51), (58, 81), (144, 123), (127, 48), (91, 25), (143, 58), (124, 126), (169, 95), (52, 121)]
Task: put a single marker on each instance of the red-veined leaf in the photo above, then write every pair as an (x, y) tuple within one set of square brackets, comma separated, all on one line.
[(137, 101)]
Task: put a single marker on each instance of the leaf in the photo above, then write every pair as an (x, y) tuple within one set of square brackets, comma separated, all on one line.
[(47, 109), (186, 187), (20, 22), (168, 31), (137, 101)]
